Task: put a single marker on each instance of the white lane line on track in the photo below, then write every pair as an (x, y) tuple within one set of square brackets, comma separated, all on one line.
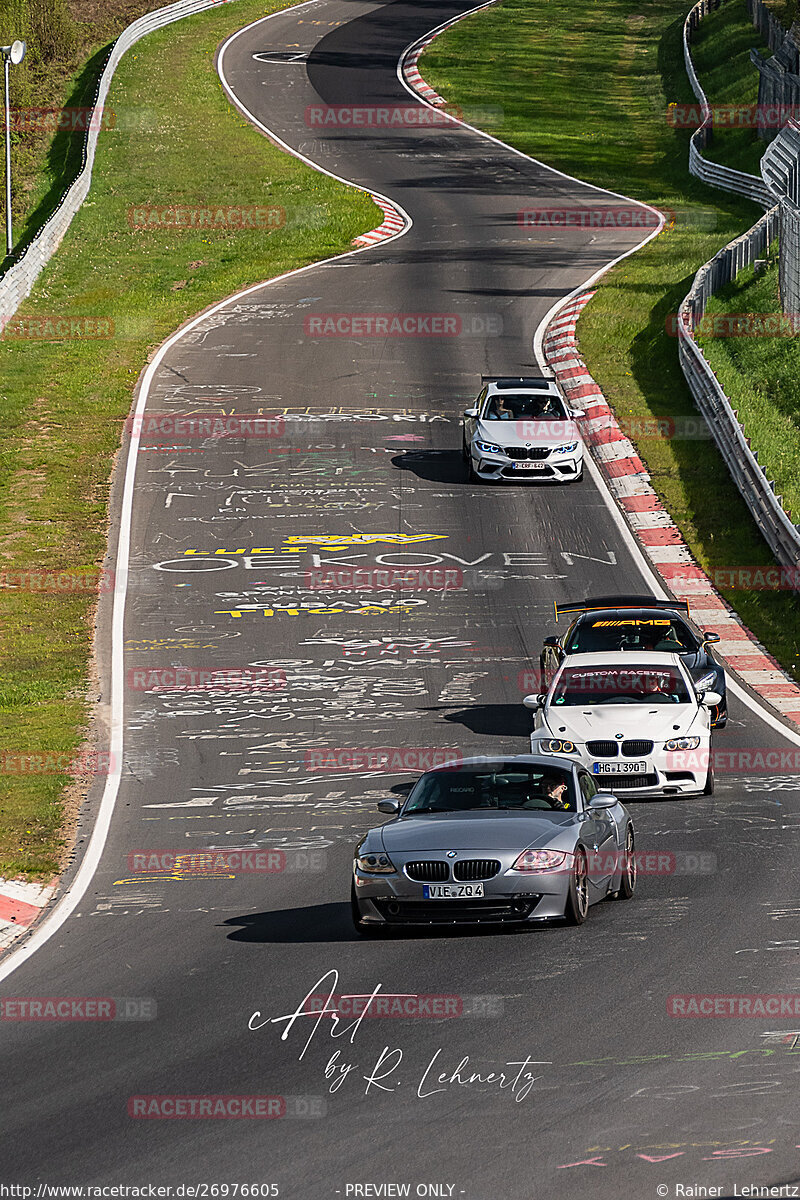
[(74, 894), (13, 959)]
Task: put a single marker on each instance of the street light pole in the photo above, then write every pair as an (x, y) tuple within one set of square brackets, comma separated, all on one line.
[(11, 54)]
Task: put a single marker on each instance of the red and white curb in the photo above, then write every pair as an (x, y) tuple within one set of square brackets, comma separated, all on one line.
[(392, 223), (20, 905), (411, 72), (627, 479)]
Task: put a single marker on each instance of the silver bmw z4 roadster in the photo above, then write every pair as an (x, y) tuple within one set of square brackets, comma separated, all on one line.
[(522, 839)]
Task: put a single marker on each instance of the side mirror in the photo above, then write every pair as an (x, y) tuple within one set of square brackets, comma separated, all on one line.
[(534, 701), (390, 806), (710, 699), (551, 641), (603, 800), (710, 638), (471, 412)]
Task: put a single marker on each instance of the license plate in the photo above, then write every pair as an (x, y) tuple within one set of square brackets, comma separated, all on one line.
[(452, 891), (529, 466), (620, 768)]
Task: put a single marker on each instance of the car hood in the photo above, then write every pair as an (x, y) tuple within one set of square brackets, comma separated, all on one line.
[(605, 721), (495, 830), (540, 433)]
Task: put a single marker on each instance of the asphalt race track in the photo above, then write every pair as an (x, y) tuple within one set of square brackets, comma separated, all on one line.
[(365, 469)]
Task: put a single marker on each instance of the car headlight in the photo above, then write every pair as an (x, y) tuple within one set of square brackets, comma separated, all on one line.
[(706, 684), (539, 860), (375, 864), (687, 743), (489, 448), (557, 746), (566, 449)]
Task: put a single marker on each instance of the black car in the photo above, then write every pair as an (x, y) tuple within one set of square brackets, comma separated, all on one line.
[(637, 623)]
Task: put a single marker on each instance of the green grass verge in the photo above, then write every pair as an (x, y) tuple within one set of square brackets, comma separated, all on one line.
[(62, 404), (721, 56), (762, 374), (587, 91)]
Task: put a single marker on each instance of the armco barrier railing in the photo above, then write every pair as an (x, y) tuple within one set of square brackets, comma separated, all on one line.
[(767, 24), (780, 534), (713, 173), (18, 281), (780, 168), (758, 491)]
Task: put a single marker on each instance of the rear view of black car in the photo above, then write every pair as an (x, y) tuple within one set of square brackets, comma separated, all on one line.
[(637, 623)]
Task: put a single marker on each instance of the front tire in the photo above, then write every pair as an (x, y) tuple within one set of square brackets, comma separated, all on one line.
[(577, 906), (627, 885), (708, 790)]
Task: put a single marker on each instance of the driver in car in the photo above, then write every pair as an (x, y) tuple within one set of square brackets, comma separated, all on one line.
[(557, 793)]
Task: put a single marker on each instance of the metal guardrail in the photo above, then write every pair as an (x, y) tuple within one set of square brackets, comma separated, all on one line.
[(710, 172), (780, 168), (758, 491), (767, 24), (18, 280)]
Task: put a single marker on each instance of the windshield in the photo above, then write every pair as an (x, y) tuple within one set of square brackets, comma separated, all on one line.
[(630, 633), (510, 406), (498, 786), (637, 684)]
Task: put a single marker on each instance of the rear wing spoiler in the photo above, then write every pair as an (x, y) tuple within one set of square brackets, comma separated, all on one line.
[(546, 375), (618, 602)]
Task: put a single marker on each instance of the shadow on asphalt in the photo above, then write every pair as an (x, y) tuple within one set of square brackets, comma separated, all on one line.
[(332, 923), (499, 720), (440, 466), (315, 923)]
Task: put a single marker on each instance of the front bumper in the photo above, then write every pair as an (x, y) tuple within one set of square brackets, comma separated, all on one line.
[(554, 468), (519, 899), (668, 772)]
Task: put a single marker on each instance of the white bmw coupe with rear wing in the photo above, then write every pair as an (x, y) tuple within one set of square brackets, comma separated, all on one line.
[(522, 429), (634, 721)]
